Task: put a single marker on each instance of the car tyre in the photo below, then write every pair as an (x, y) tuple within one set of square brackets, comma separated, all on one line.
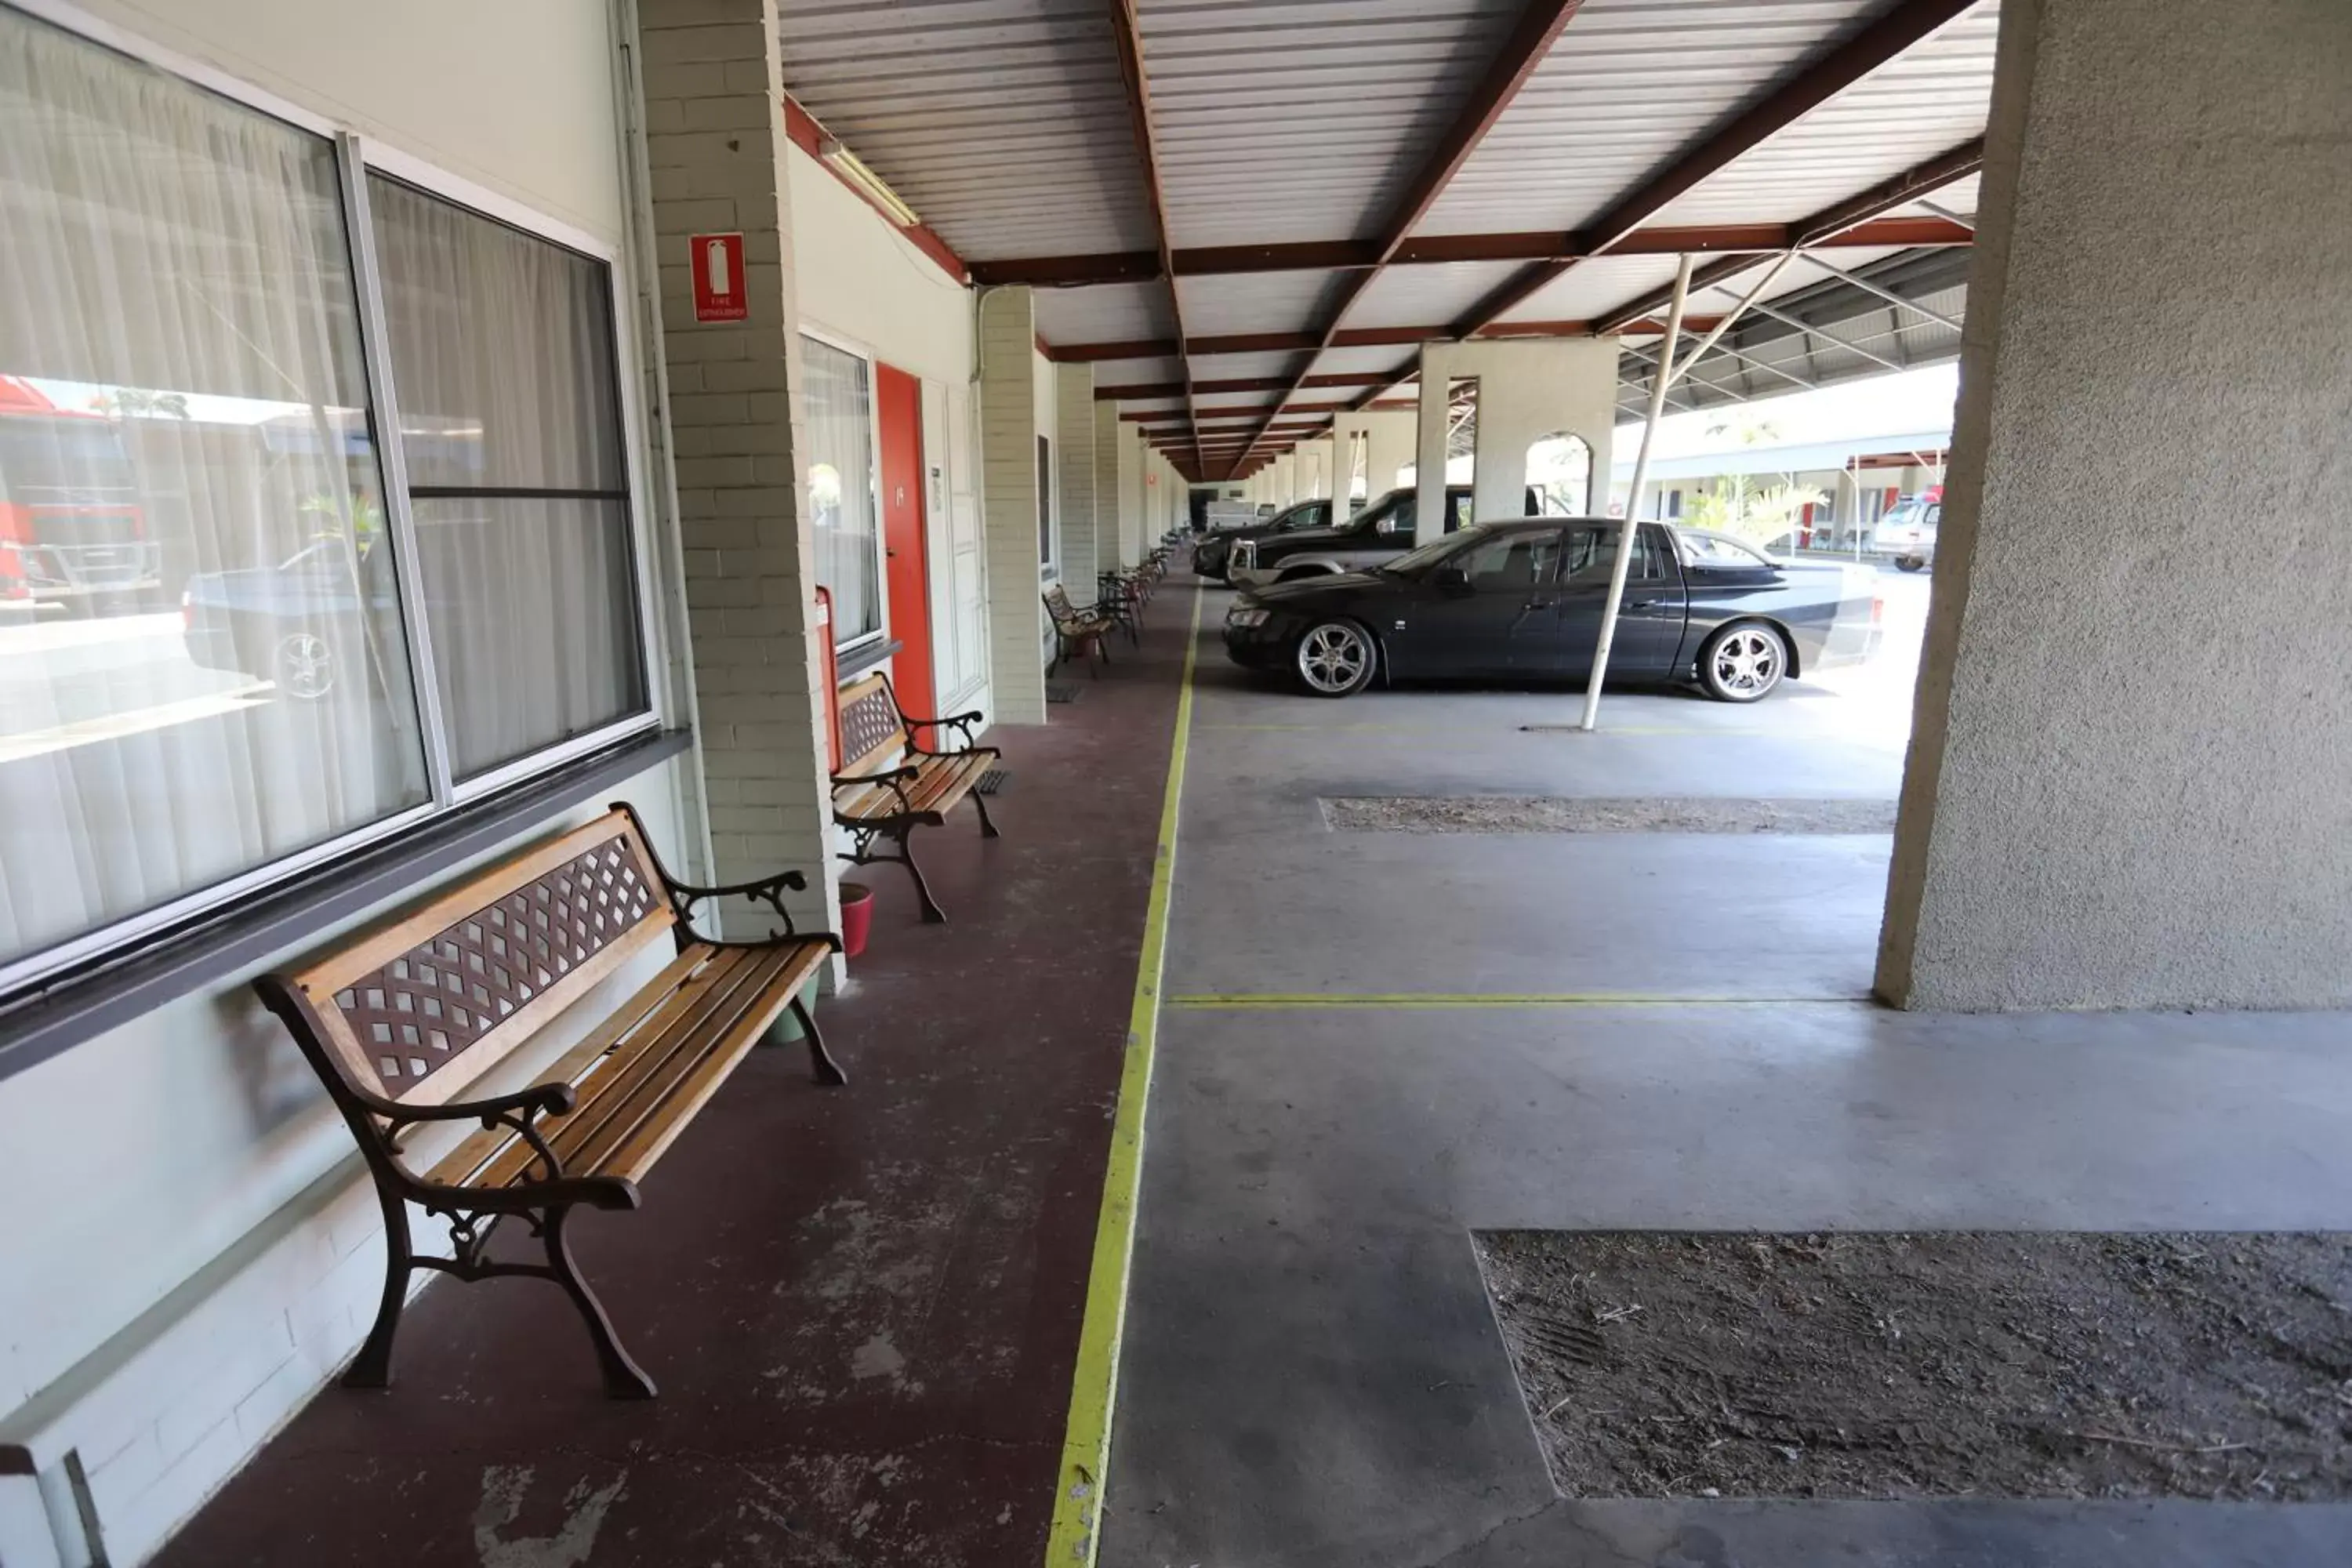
[(303, 665), (1336, 658), (1743, 663), (1909, 562)]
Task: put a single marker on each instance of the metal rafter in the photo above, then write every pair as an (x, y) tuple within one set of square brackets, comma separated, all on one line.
[(1842, 217), (1530, 40), (1801, 91), (1437, 250), (1128, 37)]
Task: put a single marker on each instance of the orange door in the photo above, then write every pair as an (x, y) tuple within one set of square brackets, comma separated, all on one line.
[(907, 578)]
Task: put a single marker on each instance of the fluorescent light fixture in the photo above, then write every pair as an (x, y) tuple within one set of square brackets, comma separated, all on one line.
[(845, 164)]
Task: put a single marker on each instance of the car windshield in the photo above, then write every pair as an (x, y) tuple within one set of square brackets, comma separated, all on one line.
[(1414, 562)]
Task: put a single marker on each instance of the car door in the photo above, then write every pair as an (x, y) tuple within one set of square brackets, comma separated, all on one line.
[(1649, 622), (1485, 609)]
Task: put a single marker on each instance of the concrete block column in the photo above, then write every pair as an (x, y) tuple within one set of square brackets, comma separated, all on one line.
[(1134, 462), (1074, 440), (1108, 555), (716, 153), (1009, 484), (2126, 785)]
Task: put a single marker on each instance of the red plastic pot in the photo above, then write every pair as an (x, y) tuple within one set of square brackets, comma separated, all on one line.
[(856, 917)]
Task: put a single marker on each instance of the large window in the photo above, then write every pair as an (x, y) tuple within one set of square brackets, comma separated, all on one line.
[(839, 411), (214, 604)]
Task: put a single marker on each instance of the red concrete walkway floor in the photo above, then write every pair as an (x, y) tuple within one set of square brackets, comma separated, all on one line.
[(862, 1305)]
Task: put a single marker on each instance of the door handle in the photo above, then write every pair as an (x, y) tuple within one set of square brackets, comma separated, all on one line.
[(1640, 604), (1539, 604)]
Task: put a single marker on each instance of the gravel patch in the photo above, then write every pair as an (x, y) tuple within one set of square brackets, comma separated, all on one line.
[(1951, 1364)]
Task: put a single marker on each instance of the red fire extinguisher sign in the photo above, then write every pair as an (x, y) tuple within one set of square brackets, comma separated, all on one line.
[(716, 262)]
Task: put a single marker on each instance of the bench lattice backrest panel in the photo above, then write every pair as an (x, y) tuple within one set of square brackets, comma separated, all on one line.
[(870, 725), (517, 943)]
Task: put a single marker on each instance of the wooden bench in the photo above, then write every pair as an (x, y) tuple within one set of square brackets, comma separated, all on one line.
[(402, 1022), (876, 801), (1076, 631)]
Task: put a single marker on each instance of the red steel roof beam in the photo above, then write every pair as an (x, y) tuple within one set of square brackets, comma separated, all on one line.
[(1796, 95)]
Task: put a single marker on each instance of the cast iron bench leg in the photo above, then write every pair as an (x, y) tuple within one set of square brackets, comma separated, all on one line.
[(821, 1063), (624, 1378), (372, 1368), (987, 828)]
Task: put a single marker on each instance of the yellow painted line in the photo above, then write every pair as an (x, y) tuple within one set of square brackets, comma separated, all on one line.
[(1093, 1386), (1303, 1000)]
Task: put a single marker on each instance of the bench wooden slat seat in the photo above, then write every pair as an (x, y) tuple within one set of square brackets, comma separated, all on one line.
[(402, 1022), (893, 784)]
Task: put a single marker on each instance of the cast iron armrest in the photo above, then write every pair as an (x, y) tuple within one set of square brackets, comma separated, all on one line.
[(960, 723), (770, 890), (539, 1099)]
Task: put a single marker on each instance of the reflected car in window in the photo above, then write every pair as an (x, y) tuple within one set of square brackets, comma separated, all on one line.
[(301, 623), (1524, 601)]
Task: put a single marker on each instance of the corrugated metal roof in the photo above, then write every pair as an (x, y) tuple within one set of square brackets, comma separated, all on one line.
[(1255, 303), (1303, 119), (1592, 288), (1428, 296), (1112, 313), (1926, 100), (1003, 123), (1628, 87)]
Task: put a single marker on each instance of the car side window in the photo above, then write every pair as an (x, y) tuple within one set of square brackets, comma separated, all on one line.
[(1513, 562), (1399, 522), (1591, 556)]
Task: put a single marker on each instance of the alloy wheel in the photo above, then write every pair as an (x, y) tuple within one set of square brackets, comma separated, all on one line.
[(1335, 658), (1747, 662)]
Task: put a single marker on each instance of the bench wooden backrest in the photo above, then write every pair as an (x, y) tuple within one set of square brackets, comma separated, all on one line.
[(871, 732), (419, 1007)]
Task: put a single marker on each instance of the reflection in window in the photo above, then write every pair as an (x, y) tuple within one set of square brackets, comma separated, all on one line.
[(510, 424), (843, 511), (201, 665), (1560, 471)]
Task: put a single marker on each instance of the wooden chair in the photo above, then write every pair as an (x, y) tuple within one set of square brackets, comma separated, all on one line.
[(1076, 631)]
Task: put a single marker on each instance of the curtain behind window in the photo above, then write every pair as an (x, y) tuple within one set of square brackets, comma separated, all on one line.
[(838, 409), (502, 365), (183, 407)]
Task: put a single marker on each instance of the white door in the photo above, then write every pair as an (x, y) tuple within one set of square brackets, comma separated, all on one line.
[(959, 587)]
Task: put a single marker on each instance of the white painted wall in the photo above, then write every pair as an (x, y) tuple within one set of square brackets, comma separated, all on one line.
[(862, 280), (518, 96)]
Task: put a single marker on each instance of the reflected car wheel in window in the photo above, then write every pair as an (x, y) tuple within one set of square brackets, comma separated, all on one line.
[(303, 665)]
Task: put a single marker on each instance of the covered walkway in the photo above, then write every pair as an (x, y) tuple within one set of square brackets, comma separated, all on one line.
[(861, 1305)]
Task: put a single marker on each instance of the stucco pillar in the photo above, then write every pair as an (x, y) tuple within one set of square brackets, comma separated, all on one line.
[(1428, 449), (2126, 785), (1391, 434), (1009, 481), (734, 419)]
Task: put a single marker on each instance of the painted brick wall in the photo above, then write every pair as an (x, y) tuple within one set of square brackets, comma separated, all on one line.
[(1073, 438), (717, 159), (1108, 547), (1009, 481)]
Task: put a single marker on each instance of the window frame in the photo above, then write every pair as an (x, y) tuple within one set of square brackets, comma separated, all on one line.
[(357, 155), (859, 350)]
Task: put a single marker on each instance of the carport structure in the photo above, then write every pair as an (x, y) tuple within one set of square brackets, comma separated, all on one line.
[(1248, 219)]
